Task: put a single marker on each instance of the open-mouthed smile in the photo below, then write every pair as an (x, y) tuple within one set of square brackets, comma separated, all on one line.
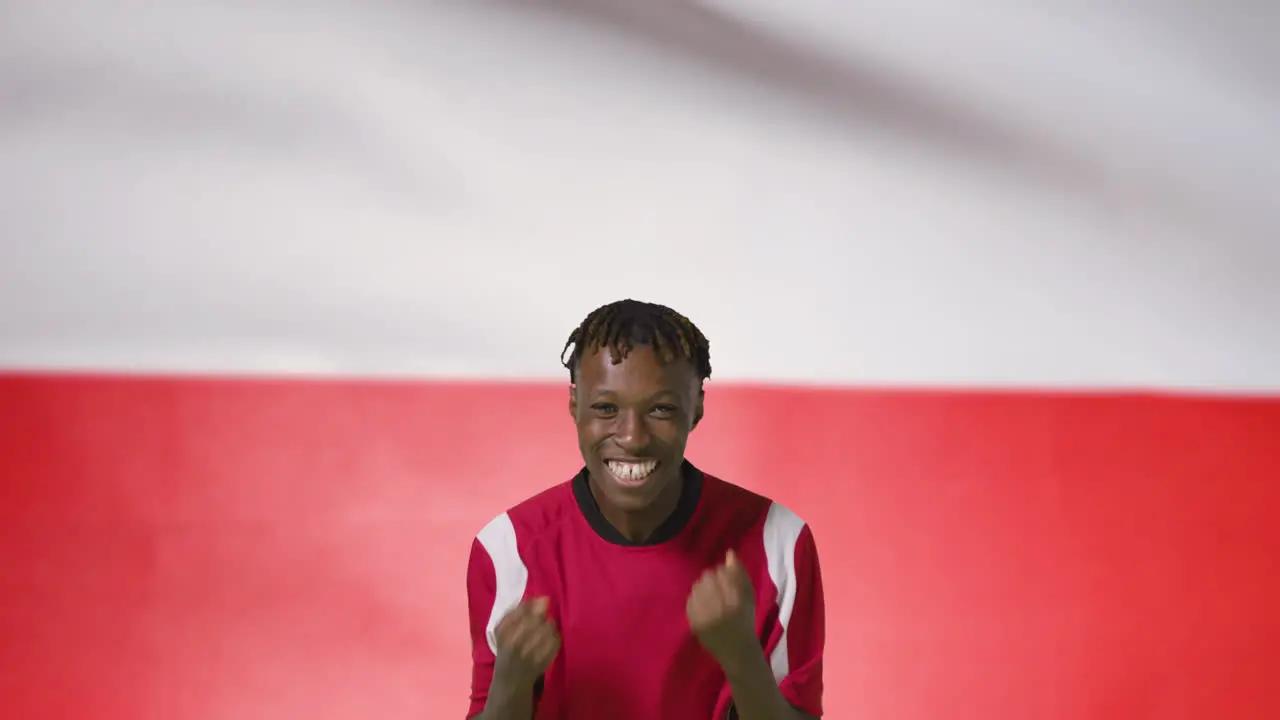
[(631, 473)]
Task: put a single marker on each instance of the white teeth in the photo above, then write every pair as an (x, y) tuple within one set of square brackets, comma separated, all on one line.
[(632, 470)]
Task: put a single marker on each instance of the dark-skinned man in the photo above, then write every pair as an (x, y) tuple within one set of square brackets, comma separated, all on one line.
[(643, 588)]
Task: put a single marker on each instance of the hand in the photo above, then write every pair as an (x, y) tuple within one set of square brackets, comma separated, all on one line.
[(722, 611), (527, 644)]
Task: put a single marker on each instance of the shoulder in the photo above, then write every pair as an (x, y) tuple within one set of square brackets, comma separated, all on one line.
[(527, 520), (726, 498), (780, 528)]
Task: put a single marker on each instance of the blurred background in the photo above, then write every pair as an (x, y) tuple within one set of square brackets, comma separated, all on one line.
[(991, 289)]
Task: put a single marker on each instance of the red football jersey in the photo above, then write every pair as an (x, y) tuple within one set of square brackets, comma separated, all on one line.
[(627, 652)]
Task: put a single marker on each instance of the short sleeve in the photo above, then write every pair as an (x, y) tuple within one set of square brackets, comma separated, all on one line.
[(481, 594), (797, 660), (496, 582)]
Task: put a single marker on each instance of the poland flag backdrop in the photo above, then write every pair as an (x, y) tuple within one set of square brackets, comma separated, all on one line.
[(991, 289)]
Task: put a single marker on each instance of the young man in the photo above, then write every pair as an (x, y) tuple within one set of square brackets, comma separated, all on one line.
[(642, 588)]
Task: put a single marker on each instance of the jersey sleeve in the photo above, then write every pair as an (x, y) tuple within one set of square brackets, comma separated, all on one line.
[(482, 586), (798, 661)]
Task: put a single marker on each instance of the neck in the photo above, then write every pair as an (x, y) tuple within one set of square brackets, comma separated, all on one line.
[(640, 525)]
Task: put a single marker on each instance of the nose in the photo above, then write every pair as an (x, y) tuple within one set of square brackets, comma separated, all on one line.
[(630, 432)]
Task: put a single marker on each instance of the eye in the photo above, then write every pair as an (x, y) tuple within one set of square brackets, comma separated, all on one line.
[(605, 409), (665, 410)]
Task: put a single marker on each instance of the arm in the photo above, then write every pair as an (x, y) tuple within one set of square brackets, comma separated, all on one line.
[(507, 703), (508, 655), (756, 692), (491, 697), (787, 683)]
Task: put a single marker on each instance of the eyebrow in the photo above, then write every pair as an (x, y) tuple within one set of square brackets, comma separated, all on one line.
[(606, 392)]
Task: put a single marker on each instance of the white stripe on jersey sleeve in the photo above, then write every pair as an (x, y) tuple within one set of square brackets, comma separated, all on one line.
[(499, 540), (781, 531)]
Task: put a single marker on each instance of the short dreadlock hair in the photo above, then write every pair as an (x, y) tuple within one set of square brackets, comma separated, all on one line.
[(622, 325)]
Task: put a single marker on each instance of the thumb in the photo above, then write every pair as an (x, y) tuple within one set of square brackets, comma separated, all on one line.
[(539, 606), (730, 559)]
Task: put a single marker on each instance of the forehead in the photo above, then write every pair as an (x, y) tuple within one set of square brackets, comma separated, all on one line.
[(641, 371)]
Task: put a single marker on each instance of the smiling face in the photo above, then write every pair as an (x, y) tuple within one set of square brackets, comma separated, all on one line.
[(634, 419)]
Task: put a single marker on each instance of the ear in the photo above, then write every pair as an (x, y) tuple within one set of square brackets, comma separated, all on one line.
[(697, 411), (573, 401)]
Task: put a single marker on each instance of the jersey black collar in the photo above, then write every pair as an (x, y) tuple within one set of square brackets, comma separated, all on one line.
[(690, 492)]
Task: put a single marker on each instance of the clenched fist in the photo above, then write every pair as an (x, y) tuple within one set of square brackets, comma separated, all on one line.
[(527, 644), (722, 611)]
